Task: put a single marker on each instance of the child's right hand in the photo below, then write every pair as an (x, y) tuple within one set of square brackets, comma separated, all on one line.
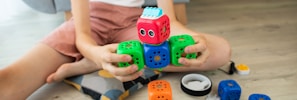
[(106, 58)]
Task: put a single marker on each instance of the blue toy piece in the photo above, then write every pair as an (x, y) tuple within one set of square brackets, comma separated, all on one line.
[(229, 90), (152, 12), (259, 97), (157, 56)]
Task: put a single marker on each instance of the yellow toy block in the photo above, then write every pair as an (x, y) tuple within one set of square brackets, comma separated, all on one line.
[(242, 69)]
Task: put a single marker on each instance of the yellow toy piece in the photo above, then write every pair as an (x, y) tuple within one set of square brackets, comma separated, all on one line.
[(242, 69)]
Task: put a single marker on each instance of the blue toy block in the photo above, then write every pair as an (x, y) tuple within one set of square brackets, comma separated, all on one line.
[(259, 97), (229, 90), (157, 56), (152, 12)]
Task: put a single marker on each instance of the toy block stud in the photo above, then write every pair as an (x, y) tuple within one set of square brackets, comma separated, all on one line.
[(157, 56), (259, 97), (229, 90), (159, 90), (153, 30), (177, 45), (135, 50)]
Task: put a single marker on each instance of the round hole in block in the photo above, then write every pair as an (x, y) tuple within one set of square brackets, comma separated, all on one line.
[(157, 58), (129, 45), (159, 86), (230, 84), (164, 29), (131, 62), (183, 55), (181, 39), (261, 98)]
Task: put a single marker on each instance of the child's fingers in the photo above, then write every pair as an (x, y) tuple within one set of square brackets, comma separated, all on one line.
[(199, 47), (112, 57), (195, 62), (117, 71)]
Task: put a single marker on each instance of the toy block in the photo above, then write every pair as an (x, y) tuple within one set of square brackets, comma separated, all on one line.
[(159, 90), (242, 69), (157, 56), (151, 13), (259, 97), (177, 45), (153, 31), (229, 90), (135, 50)]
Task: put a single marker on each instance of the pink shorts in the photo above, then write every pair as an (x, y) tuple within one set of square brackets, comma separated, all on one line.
[(109, 24)]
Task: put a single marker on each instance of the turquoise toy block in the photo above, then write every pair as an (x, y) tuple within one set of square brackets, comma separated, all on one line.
[(152, 12)]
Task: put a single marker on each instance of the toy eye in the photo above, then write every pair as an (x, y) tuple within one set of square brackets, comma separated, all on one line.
[(142, 32), (151, 33)]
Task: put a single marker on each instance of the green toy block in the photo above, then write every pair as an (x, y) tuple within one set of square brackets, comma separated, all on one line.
[(177, 45), (135, 50)]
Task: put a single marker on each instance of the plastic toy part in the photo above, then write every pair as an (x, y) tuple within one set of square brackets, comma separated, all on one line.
[(152, 12), (135, 50), (242, 69), (259, 97), (157, 56), (196, 84), (159, 90), (153, 31), (229, 90), (177, 46)]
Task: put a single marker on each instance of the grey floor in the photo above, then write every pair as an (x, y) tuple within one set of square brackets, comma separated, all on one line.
[(21, 27), (262, 33)]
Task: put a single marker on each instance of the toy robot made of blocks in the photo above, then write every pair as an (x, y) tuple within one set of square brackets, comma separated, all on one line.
[(154, 50)]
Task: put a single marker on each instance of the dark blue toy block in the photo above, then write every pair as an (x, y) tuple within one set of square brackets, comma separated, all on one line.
[(229, 90), (157, 56), (259, 97)]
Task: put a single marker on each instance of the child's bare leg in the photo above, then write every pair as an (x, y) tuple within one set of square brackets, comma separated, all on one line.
[(83, 66), (20, 79)]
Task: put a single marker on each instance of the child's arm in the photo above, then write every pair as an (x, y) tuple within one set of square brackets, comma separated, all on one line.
[(103, 56), (214, 51)]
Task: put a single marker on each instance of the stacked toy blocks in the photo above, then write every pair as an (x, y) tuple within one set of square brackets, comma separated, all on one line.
[(153, 31), (229, 90)]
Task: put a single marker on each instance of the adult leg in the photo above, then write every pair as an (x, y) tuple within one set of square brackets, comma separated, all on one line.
[(23, 77)]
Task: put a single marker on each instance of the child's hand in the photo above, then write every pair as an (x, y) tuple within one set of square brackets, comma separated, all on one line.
[(200, 47), (107, 58)]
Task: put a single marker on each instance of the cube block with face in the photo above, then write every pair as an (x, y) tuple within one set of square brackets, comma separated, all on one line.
[(153, 30)]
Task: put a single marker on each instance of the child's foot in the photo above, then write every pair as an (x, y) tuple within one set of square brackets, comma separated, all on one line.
[(71, 69)]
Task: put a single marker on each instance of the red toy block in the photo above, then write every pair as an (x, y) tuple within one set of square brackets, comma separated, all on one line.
[(153, 31)]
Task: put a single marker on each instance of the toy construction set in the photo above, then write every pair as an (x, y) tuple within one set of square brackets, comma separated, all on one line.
[(156, 49)]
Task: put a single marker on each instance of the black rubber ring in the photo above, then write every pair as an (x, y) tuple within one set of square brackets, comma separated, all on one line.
[(196, 92)]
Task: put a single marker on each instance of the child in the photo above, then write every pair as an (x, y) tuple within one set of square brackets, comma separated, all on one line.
[(88, 43)]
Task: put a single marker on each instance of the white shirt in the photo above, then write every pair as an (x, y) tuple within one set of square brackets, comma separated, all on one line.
[(126, 3)]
